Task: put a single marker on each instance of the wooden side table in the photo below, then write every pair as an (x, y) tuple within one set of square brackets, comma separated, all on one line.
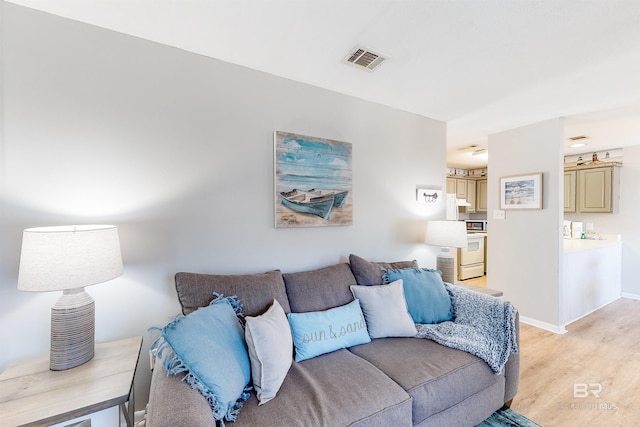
[(33, 395)]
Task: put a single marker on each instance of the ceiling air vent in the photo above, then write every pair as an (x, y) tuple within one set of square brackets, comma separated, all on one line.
[(364, 58), (578, 138)]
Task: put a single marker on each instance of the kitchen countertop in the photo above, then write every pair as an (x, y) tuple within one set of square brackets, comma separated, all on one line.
[(575, 245)]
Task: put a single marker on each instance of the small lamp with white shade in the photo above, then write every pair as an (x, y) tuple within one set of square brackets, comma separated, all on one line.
[(68, 258), (446, 234)]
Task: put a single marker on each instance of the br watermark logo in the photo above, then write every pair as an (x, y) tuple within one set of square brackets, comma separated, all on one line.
[(590, 398), (583, 390)]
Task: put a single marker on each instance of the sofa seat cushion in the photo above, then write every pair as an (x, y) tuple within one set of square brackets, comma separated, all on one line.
[(256, 292), (335, 389), (435, 376)]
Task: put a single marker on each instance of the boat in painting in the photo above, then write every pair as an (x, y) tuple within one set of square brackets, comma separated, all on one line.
[(314, 202), (339, 197)]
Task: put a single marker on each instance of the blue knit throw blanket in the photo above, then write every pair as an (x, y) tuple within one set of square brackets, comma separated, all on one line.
[(482, 325)]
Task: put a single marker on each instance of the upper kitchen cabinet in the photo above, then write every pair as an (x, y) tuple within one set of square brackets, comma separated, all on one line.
[(451, 185), (471, 195), (589, 190), (570, 191), (595, 190), (457, 186), (481, 195), (463, 189)]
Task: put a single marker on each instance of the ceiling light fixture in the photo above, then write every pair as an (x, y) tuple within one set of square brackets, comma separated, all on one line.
[(577, 145)]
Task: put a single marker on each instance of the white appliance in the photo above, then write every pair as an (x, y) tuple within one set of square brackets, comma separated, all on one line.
[(453, 204), (476, 225), (471, 258)]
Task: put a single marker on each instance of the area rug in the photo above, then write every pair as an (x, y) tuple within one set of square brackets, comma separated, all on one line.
[(507, 418)]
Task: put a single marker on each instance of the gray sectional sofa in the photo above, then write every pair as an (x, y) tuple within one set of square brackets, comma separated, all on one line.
[(386, 382)]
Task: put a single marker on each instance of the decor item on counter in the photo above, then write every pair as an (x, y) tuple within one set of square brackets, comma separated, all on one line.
[(68, 258), (521, 191), (312, 181), (446, 234), (577, 230)]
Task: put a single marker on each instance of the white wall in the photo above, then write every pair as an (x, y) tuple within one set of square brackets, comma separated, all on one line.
[(176, 150), (624, 220), (525, 249)]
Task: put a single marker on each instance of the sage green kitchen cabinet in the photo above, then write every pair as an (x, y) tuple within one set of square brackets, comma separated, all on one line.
[(471, 195), (570, 191), (461, 188), (481, 195), (451, 185), (595, 190), (458, 186)]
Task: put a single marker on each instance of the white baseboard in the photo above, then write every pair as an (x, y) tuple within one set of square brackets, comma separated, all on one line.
[(556, 329), (630, 296)]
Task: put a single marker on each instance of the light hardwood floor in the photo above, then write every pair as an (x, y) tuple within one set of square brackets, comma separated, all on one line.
[(478, 281), (560, 375)]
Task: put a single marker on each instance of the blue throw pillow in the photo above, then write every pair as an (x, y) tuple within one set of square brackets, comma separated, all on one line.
[(208, 345), (427, 298), (320, 332)]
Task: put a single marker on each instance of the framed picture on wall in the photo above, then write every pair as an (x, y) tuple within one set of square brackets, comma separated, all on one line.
[(312, 181), (521, 191)]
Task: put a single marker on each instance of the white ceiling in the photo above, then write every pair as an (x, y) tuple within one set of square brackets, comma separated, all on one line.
[(483, 66)]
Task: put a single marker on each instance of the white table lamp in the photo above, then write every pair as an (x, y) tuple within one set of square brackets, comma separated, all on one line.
[(446, 234), (67, 259)]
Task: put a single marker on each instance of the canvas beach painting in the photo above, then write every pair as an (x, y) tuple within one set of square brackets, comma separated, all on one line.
[(312, 181)]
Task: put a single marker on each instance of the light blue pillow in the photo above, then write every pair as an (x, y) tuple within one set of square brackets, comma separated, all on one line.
[(208, 346), (427, 298), (320, 332)]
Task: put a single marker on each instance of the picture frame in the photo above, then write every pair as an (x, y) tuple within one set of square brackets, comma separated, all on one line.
[(521, 191), (312, 181)]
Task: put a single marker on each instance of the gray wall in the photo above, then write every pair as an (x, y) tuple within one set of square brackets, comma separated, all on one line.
[(176, 150), (525, 249)]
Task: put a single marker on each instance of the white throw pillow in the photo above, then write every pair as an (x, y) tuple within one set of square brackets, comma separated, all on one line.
[(270, 347), (385, 310)]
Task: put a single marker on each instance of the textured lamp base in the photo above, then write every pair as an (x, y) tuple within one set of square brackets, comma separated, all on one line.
[(72, 330), (445, 263)]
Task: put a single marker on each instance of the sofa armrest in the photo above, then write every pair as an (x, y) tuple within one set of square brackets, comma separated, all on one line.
[(512, 368), (172, 402)]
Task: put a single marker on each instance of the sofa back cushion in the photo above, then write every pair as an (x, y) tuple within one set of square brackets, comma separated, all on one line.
[(369, 273), (320, 289), (256, 292)]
